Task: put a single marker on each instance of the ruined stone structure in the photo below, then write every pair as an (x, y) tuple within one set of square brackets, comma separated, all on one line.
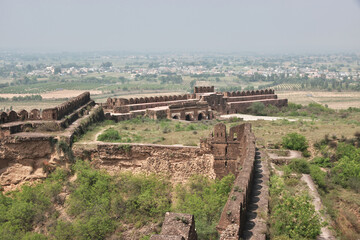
[(177, 226), (233, 152), (227, 148), (47, 114), (191, 107), (50, 119), (66, 108)]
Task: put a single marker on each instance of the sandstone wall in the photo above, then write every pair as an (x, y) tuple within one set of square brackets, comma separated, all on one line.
[(156, 101), (242, 107), (233, 216), (66, 108), (22, 159), (251, 98), (177, 226), (177, 161)]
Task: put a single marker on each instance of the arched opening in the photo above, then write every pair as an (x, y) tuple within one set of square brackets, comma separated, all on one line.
[(188, 117), (235, 137), (200, 117), (225, 163), (175, 117)]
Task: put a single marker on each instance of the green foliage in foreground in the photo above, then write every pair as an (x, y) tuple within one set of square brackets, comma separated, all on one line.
[(346, 170), (98, 204), (295, 141), (99, 201), (204, 199), (292, 215), (20, 210)]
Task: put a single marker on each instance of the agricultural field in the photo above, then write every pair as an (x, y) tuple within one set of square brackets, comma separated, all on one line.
[(335, 100)]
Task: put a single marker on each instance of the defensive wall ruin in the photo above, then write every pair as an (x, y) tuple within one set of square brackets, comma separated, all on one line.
[(47, 114), (50, 119), (191, 107), (223, 152)]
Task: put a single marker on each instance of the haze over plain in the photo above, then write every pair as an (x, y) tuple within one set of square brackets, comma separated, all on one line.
[(277, 26)]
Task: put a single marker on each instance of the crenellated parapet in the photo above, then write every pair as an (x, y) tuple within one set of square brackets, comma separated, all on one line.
[(66, 108)]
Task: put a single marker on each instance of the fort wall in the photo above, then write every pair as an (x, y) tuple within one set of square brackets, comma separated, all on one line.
[(233, 216), (47, 114), (180, 162), (177, 226), (243, 106)]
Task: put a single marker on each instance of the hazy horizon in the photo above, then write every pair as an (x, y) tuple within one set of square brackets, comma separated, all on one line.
[(260, 26)]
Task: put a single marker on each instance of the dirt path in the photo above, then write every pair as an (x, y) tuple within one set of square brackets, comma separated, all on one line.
[(292, 155), (325, 231), (247, 117)]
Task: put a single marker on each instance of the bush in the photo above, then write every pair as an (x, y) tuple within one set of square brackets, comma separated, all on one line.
[(98, 201), (205, 199), (257, 108), (292, 216), (300, 166), (295, 141), (296, 218), (319, 177), (347, 168), (109, 135), (322, 162)]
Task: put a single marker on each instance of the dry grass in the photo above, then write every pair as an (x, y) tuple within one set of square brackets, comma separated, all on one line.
[(336, 100)]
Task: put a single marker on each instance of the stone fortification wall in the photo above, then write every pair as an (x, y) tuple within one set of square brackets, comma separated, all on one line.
[(177, 226), (243, 106), (43, 126), (66, 108), (55, 113), (23, 115), (248, 93), (233, 216), (206, 89), (134, 107), (22, 159), (112, 103), (227, 148), (250, 98), (179, 162)]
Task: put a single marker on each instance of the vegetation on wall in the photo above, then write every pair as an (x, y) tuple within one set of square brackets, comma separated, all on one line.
[(100, 205)]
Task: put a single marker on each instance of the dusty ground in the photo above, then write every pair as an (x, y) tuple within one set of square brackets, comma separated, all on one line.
[(325, 231), (247, 117), (336, 100)]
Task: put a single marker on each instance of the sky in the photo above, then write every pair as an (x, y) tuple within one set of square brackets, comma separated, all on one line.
[(260, 26)]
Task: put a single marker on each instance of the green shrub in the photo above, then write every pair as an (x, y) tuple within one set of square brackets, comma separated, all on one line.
[(292, 216), (109, 135), (322, 162), (348, 166), (319, 177), (205, 199), (98, 201), (257, 108), (295, 141), (300, 166)]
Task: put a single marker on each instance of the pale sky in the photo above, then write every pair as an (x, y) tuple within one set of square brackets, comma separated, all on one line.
[(270, 26)]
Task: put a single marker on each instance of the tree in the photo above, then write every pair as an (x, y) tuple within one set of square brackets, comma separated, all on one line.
[(295, 141), (106, 65)]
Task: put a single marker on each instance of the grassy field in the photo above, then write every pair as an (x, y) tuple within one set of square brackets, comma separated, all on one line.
[(336, 100), (267, 132)]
